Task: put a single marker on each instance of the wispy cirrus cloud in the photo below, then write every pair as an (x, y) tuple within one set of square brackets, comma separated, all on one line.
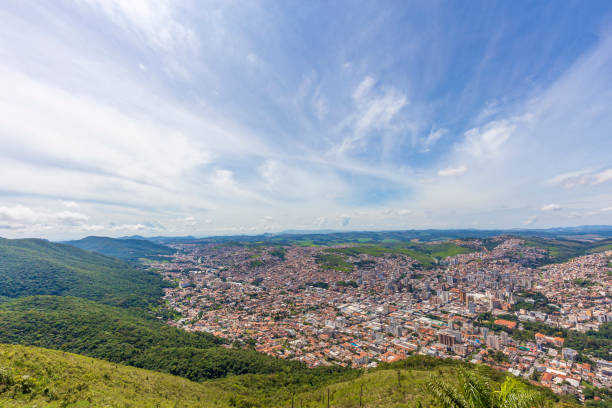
[(452, 171), (582, 178), (376, 110), (145, 112), (154, 21)]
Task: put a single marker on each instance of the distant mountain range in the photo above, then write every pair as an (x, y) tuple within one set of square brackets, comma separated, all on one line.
[(128, 249), (599, 231)]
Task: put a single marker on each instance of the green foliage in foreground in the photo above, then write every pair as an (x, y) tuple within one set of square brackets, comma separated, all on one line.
[(34, 377), (126, 249), (122, 336), (476, 391), (38, 267), (31, 376)]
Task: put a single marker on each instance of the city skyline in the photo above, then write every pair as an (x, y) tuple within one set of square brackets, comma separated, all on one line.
[(166, 118)]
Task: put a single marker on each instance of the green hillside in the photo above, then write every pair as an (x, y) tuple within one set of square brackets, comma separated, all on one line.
[(425, 254), (560, 250), (119, 335), (38, 267), (126, 249), (36, 377)]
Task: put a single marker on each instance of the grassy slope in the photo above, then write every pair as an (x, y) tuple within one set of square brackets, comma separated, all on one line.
[(38, 267), (59, 379), (126, 249), (76, 381)]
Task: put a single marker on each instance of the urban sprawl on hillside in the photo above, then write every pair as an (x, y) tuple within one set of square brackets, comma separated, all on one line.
[(359, 305)]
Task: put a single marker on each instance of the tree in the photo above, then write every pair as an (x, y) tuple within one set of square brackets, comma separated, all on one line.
[(475, 391)]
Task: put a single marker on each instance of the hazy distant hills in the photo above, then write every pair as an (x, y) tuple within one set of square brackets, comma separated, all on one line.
[(129, 249), (38, 267), (326, 237)]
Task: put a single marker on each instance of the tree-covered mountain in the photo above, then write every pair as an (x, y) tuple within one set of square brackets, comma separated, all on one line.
[(39, 267), (126, 249), (128, 337)]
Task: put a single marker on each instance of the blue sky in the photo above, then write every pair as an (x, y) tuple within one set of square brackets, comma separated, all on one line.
[(181, 117)]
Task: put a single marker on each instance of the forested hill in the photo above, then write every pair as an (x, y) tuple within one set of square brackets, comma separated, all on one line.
[(39, 267), (123, 336), (126, 249)]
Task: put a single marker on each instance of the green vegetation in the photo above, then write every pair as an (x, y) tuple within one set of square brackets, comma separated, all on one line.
[(122, 336), (333, 261), (475, 391), (604, 395), (322, 285), (595, 343), (560, 250), (533, 301), (600, 248), (279, 253), (126, 249), (31, 376), (584, 283), (347, 283), (426, 254), (256, 263), (38, 267)]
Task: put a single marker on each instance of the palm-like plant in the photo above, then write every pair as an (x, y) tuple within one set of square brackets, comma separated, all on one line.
[(475, 391)]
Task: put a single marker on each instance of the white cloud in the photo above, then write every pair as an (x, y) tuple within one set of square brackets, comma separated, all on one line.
[(487, 141), (551, 207), (154, 21), (224, 179), (70, 204), (128, 227), (606, 209), (70, 217), (582, 178), (253, 59), (403, 212), (378, 112), (531, 220), (20, 217), (93, 227), (432, 138), (375, 111), (363, 88), (268, 218), (452, 171)]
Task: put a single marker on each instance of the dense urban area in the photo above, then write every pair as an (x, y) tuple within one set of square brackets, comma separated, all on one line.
[(494, 301)]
